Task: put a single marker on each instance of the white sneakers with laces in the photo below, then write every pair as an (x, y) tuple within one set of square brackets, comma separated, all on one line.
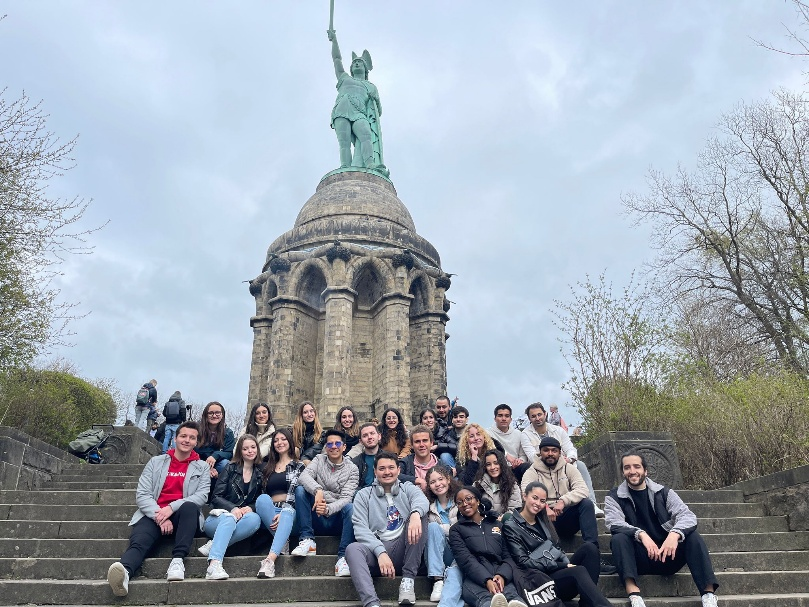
[(205, 549), (306, 547), (407, 595), (438, 588), (341, 568), (118, 579), (176, 570), (216, 571)]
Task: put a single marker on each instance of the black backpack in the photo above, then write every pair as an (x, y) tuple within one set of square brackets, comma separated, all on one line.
[(171, 410), (142, 400)]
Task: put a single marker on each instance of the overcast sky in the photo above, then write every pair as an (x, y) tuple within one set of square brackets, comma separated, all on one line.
[(510, 130)]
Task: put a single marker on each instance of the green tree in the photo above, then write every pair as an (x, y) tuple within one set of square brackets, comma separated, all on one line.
[(37, 231)]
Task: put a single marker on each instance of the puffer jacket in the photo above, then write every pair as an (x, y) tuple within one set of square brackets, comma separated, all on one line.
[(229, 493), (480, 550)]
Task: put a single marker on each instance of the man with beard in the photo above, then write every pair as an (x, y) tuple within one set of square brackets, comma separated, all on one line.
[(442, 408), (654, 532), (369, 439)]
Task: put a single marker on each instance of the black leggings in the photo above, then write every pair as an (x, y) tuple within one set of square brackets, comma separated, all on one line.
[(581, 580)]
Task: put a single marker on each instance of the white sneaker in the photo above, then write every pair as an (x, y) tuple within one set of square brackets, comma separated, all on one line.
[(636, 600), (205, 549), (516, 603), (176, 570), (709, 600), (407, 596), (306, 547), (499, 600), (216, 571), (267, 569), (599, 511), (435, 595), (118, 579), (341, 568)]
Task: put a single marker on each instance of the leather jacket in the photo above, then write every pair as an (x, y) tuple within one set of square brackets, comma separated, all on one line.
[(229, 492), (522, 538)]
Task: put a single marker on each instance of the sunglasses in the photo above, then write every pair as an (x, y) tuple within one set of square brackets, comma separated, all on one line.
[(334, 444)]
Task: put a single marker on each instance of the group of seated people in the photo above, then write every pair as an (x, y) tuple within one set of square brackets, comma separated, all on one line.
[(478, 503)]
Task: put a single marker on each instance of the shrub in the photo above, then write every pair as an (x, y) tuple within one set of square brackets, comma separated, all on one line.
[(52, 406)]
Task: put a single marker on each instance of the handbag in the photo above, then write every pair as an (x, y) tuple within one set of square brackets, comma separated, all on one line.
[(549, 556), (536, 588)]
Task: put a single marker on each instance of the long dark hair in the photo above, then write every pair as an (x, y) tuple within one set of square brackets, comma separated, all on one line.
[(399, 431), (252, 426), (273, 457), (238, 458), (353, 430), (543, 515), (212, 435), (446, 472), (507, 479)]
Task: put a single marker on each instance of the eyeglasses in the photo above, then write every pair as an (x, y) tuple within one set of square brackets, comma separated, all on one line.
[(468, 500), (334, 444), (214, 414)]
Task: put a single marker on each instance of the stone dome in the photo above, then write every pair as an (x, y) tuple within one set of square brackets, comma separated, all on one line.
[(363, 195), (358, 207)]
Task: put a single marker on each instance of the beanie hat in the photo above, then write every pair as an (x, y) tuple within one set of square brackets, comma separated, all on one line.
[(549, 441)]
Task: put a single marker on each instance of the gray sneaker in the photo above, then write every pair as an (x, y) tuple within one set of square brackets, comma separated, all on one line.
[(516, 603), (118, 578), (499, 600), (407, 596), (267, 569), (636, 600)]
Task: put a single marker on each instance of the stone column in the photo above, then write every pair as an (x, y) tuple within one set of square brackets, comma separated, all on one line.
[(336, 350), (428, 351), (392, 345), (278, 361), (259, 369)]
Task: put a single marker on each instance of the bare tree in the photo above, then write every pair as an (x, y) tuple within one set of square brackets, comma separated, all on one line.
[(735, 230), (37, 231)]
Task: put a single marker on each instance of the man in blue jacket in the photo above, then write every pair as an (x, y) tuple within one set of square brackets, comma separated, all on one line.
[(390, 525), (654, 532)]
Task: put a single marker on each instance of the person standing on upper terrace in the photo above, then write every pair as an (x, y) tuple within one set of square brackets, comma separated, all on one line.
[(654, 532)]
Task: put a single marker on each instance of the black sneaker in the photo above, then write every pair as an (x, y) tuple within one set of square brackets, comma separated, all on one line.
[(607, 569)]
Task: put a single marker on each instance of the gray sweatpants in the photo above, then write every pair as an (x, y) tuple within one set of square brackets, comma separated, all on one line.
[(364, 565)]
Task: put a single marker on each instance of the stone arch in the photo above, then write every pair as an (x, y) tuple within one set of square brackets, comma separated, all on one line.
[(371, 279), (421, 292), (309, 282), (270, 290)]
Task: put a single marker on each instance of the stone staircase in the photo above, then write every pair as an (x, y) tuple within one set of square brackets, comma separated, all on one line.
[(57, 543)]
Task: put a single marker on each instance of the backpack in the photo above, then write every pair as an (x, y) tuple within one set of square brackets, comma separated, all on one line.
[(142, 400), (171, 410), (86, 441)]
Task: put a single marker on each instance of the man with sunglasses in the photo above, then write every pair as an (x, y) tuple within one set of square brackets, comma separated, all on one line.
[(323, 500)]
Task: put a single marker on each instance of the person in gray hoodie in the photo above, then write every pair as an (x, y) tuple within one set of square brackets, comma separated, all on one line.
[(323, 499), (390, 524)]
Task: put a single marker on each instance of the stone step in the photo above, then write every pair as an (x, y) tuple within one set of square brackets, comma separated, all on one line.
[(690, 496), (96, 478), (123, 497), (35, 512), (89, 470), (44, 529), (36, 547), (321, 565), (329, 588), (89, 486)]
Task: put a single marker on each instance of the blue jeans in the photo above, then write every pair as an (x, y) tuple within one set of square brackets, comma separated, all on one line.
[(168, 439), (453, 585), (338, 524), (447, 459), (225, 530), (267, 510), (439, 555), (220, 467)]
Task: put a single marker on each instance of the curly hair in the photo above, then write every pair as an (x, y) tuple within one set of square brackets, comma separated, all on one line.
[(446, 472), (399, 431), (505, 482), (463, 444)]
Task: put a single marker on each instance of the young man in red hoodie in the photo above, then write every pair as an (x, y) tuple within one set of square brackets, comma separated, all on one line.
[(171, 490)]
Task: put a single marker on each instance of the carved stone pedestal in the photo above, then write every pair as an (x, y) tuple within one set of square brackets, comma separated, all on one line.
[(602, 457)]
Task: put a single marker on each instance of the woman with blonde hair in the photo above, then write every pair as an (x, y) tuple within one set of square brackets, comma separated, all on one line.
[(306, 431), (474, 442)]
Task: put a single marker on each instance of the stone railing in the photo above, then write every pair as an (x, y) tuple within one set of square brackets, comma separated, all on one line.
[(27, 462), (783, 494)]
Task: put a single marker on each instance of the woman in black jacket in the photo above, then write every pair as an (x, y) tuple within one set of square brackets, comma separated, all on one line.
[(480, 551), (528, 529), (233, 515)]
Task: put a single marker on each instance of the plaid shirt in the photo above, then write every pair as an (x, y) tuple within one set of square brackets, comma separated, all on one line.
[(293, 473)]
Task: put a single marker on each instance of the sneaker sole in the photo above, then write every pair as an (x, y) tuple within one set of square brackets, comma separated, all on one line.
[(263, 576), (209, 577), (116, 577), (342, 574), (407, 602), (175, 578)]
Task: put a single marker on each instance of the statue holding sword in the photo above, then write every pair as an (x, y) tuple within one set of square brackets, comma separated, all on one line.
[(355, 117)]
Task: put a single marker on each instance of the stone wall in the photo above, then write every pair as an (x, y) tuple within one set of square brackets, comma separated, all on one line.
[(783, 494), (26, 462)]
